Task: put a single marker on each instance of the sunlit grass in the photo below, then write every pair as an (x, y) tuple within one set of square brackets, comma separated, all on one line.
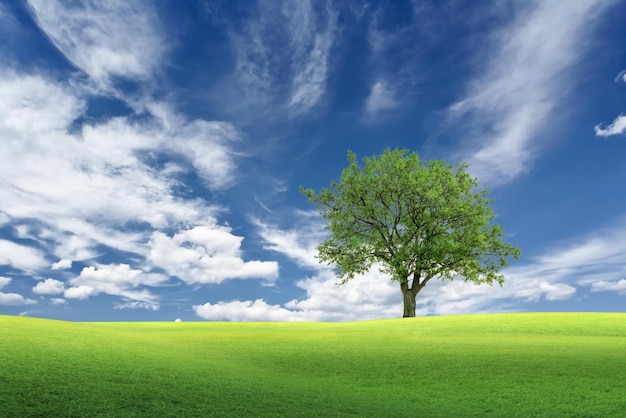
[(474, 365)]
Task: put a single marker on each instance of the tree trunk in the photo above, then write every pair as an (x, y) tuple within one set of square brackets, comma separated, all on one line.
[(409, 300)]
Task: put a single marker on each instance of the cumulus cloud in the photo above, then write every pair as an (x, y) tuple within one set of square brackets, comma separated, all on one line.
[(257, 310), (207, 254), (618, 127), (20, 256), (511, 99), (368, 296), (62, 264), (108, 39), (49, 287), (114, 279), (12, 299), (79, 292)]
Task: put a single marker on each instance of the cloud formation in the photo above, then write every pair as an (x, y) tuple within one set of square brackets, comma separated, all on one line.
[(517, 89), (117, 280), (11, 299), (49, 287), (20, 256), (284, 39), (618, 286), (207, 254), (381, 98), (114, 38), (73, 182), (618, 127)]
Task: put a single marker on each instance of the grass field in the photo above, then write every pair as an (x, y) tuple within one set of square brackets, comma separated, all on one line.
[(544, 365)]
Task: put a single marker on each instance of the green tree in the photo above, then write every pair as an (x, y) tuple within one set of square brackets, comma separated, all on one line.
[(418, 220)]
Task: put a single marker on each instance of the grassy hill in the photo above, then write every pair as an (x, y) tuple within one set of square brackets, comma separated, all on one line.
[(469, 365)]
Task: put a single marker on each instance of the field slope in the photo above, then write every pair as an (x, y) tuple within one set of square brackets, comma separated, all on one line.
[(472, 365)]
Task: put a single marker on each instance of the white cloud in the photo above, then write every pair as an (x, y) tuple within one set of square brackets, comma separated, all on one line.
[(108, 39), (49, 287), (207, 254), (511, 100), (609, 286), (73, 183), (138, 305), (178, 320), (21, 257), (58, 301), (4, 281), (257, 310), (293, 36), (80, 292), (62, 264), (381, 98), (310, 55), (32, 105), (621, 76), (395, 67), (114, 279), (618, 127), (12, 299), (558, 291), (368, 296), (298, 244)]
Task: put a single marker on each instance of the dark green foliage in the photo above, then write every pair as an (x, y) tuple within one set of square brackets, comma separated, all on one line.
[(419, 220)]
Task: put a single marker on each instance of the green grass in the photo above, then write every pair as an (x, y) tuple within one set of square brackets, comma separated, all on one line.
[(544, 365)]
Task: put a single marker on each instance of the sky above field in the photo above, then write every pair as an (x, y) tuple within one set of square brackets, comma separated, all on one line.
[(151, 152)]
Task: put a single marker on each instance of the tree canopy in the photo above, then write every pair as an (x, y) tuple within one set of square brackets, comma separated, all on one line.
[(419, 220)]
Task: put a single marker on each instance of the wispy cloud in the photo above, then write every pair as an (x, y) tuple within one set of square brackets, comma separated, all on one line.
[(283, 55), (113, 38), (610, 286), (521, 84), (381, 98), (394, 67), (618, 126), (137, 305)]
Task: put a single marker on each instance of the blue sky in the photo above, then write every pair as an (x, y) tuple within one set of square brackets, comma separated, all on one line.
[(151, 152)]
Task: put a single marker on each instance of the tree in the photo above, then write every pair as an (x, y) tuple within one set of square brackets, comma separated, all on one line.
[(417, 220)]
